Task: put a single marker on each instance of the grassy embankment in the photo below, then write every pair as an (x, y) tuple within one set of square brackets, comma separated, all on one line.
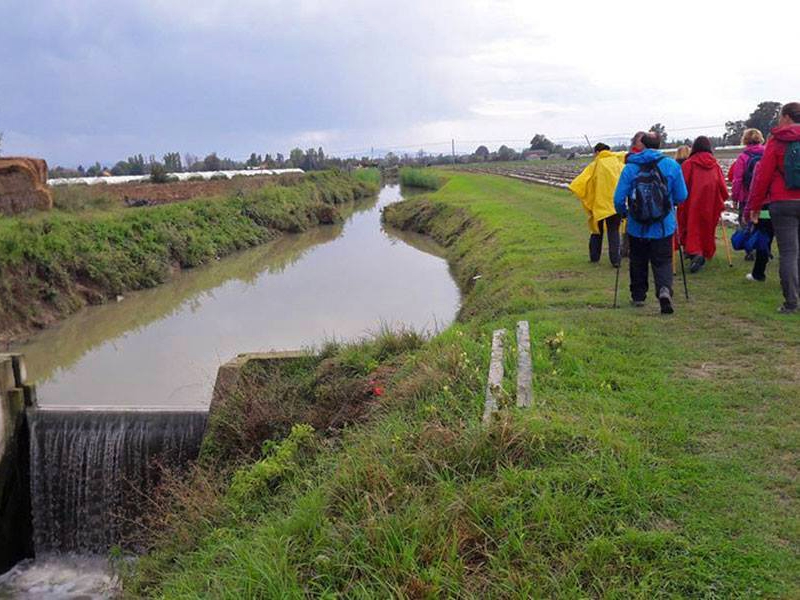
[(659, 459), (426, 179), (90, 249)]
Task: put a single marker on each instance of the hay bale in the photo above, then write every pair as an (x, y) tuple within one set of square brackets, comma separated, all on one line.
[(23, 185)]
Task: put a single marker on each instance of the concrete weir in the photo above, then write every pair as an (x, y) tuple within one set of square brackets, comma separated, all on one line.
[(16, 525)]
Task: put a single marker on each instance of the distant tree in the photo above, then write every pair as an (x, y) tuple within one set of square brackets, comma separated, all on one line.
[(310, 160), (95, 170), (540, 142), (189, 160), (136, 164), (253, 161), (391, 159), (733, 132), (321, 158), (481, 153), (212, 162), (661, 131), (764, 117), (81, 171), (121, 168), (296, 158), (280, 161), (172, 163), (504, 153)]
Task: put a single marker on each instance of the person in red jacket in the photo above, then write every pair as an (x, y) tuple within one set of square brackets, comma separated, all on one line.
[(699, 215), (776, 183)]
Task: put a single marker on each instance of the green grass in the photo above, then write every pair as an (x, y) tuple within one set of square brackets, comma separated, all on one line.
[(368, 175), (659, 459), (51, 264), (427, 179)]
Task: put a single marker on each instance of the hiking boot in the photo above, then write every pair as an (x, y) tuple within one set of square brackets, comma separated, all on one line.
[(785, 309), (665, 299), (637, 303), (697, 264)]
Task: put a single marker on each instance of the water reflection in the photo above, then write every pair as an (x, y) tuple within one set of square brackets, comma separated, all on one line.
[(161, 347)]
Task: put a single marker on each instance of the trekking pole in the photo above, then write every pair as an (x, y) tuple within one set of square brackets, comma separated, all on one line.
[(725, 240), (616, 282), (683, 272)]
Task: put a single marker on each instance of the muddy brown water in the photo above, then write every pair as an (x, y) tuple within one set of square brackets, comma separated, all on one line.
[(162, 347)]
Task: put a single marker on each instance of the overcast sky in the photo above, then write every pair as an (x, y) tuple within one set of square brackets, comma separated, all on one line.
[(86, 80)]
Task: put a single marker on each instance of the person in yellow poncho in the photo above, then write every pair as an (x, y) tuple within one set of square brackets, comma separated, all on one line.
[(595, 188)]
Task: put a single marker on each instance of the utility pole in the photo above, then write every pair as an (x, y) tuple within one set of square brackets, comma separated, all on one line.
[(453, 147)]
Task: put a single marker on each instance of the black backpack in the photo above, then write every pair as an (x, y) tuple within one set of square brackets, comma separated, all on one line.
[(750, 169), (650, 202)]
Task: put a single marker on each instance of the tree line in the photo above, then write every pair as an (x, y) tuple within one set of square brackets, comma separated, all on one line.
[(172, 162), (764, 117)]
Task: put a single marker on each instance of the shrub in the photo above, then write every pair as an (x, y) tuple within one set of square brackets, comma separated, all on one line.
[(158, 174), (421, 178), (280, 459)]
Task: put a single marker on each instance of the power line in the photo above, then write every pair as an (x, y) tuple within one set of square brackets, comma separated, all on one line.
[(364, 151)]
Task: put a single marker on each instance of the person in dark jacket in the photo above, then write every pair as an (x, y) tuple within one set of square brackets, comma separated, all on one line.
[(699, 215), (651, 244), (772, 185)]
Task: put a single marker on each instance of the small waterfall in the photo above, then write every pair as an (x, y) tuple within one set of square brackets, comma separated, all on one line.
[(92, 471)]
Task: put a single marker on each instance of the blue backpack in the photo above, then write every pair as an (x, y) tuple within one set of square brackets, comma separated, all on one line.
[(650, 202)]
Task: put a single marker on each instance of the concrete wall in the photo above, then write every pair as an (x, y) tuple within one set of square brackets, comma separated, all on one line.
[(16, 528)]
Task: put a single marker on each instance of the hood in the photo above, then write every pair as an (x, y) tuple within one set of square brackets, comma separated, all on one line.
[(788, 133), (647, 155), (704, 160), (755, 149)]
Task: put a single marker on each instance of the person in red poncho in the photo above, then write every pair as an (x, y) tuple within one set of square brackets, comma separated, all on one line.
[(699, 215)]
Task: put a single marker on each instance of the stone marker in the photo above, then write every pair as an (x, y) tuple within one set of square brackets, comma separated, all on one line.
[(495, 378), (524, 368)]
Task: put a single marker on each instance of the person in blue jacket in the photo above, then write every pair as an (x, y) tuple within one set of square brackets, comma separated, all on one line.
[(651, 244)]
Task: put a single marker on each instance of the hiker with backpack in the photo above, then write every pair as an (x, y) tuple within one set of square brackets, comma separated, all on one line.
[(595, 187), (699, 215), (650, 187), (777, 182), (744, 167), (743, 170)]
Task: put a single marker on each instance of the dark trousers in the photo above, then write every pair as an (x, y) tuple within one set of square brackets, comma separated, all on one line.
[(611, 226), (762, 258), (645, 253), (786, 223)]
